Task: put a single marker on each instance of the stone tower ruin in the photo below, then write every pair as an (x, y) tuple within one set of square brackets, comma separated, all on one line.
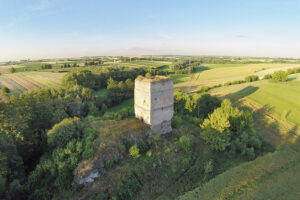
[(154, 102)]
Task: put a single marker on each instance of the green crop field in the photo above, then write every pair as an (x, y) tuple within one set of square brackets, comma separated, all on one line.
[(221, 73)]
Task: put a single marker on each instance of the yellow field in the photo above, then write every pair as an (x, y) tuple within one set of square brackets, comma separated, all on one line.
[(5, 68), (20, 82)]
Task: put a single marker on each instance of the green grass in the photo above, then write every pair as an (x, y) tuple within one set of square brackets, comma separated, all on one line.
[(282, 98), (101, 92), (221, 73), (213, 66), (273, 176), (124, 105), (180, 78)]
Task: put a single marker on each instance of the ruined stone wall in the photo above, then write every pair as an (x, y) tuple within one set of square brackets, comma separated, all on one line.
[(154, 103), (142, 101)]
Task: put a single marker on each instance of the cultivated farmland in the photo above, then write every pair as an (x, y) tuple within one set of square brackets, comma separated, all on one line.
[(20, 82), (212, 74)]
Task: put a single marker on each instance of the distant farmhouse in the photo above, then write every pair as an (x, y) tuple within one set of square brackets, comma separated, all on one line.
[(154, 103)]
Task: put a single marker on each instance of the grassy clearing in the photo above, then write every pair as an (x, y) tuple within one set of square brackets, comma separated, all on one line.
[(121, 106), (101, 92)]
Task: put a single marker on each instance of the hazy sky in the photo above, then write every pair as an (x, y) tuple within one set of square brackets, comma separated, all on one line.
[(72, 28)]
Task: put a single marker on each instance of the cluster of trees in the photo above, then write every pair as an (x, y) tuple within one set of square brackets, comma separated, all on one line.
[(86, 78), (119, 91), (68, 65), (251, 78), (280, 76), (93, 62), (185, 67), (224, 127), (46, 125), (45, 66), (156, 71), (229, 128), (68, 142), (24, 123), (197, 105)]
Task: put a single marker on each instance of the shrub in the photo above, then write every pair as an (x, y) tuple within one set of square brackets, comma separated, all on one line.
[(267, 76), (227, 83), (128, 188), (148, 75), (185, 143), (143, 147), (201, 89), (139, 77), (134, 151), (279, 76), (64, 132), (5, 90), (12, 70), (176, 121), (208, 167), (251, 78), (229, 127), (291, 71)]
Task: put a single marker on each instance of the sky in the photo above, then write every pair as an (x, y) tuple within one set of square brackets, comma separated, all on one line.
[(34, 29)]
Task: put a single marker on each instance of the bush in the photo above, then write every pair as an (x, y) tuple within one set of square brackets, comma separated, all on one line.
[(227, 83), (176, 121), (291, 71), (128, 188), (140, 77), (251, 78), (267, 76), (5, 90), (208, 167), (134, 151), (12, 70), (185, 143), (280, 76), (148, 75), (229, 127), (201, 89), (64, 131)]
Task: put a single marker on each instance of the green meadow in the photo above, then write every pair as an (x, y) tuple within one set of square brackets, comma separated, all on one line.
[(214, 74), (283, 99)]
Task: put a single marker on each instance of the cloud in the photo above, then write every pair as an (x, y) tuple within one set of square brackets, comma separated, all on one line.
[(241, 36), (43, 4), (163, 36)]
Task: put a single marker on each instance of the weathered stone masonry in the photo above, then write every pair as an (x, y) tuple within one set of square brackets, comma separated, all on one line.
[(154, 103)]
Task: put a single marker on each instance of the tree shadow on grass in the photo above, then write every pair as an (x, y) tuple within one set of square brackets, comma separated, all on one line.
[(274, 130), (292, 78), (246, 91), (202, 68)]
